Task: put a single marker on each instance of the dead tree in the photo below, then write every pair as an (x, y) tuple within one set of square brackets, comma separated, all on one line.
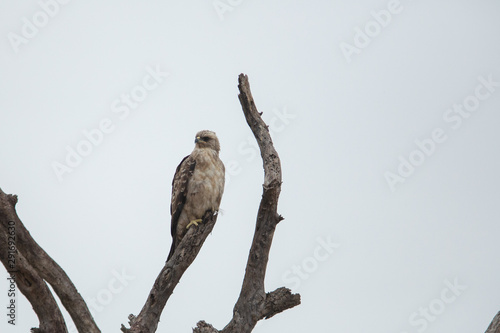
[(32, 268)]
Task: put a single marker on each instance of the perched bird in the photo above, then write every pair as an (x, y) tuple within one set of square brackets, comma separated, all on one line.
[(197, 186)]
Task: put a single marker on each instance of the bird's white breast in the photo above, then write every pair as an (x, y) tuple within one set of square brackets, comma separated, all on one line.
[(207, 183)]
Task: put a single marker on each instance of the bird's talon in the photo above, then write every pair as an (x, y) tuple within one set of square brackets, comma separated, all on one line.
[(195, 222)]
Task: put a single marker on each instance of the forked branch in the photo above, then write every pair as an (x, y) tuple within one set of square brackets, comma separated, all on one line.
[(34, 268)]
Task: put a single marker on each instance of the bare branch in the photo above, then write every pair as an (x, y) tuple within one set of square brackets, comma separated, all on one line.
[(184, 255), (495, 325), (47, 268), (253, 303), (27, 280), (278, 301), (270, 158)]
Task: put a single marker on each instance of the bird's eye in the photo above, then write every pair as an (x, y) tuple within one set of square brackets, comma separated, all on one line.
[(205, 138)]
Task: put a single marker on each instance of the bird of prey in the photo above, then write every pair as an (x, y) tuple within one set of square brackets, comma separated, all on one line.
[(197, 186)]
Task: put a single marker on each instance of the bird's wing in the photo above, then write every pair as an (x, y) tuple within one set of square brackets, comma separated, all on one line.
[(183, 174)]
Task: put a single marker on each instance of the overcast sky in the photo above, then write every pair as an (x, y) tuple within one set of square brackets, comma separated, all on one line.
[(385, 115)]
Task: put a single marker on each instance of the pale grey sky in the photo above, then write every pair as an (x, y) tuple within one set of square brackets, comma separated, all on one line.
[(385, 115)]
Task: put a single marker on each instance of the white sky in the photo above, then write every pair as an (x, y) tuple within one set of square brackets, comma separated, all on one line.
[(340, 124)]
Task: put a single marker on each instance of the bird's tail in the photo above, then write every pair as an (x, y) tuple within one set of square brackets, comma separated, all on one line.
[(172, 249)]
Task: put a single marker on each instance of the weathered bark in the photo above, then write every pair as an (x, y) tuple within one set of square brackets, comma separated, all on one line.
[(184, 255), (45, 268), (278, 301), (204, 327), (26, 278), (495, 324)]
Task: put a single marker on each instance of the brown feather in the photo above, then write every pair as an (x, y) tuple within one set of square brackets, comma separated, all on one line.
[(180, 183)]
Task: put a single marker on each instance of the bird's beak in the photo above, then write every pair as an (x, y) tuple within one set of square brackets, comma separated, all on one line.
[(198, 139)]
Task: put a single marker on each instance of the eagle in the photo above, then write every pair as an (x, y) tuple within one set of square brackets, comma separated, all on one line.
[(197, 186)]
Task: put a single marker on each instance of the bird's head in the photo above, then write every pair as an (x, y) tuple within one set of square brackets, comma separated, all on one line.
[(207, 139)]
